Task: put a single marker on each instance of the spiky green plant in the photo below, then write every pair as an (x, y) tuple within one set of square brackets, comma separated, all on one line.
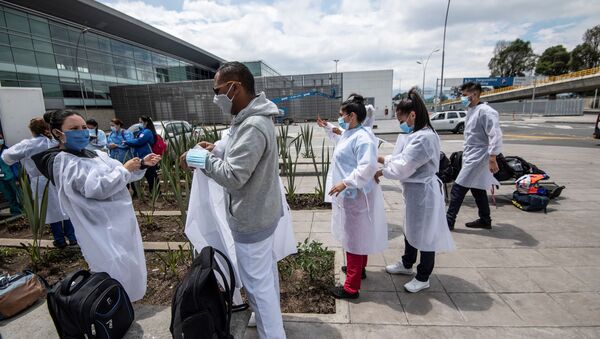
[(35, 211)]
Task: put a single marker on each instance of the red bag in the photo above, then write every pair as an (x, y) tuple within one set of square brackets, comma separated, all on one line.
[(160, 146)]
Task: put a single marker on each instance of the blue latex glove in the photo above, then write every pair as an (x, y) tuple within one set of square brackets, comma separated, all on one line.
[(197, 158)]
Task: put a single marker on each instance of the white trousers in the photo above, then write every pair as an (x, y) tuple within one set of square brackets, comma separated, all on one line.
[(258, 271)]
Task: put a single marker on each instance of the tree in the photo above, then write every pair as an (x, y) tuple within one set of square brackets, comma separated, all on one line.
[(583, 57), (592, 37), (512, 58), (553, 61)]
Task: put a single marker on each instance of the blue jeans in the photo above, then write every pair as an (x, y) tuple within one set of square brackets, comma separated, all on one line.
[(62, 229)]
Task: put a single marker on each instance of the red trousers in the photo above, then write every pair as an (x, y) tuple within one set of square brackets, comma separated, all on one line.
[(355, 263)]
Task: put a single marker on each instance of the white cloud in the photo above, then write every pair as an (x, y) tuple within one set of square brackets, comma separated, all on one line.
[(299, 37)]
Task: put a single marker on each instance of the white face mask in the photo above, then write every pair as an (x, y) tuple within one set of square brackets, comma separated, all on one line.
[(223, 101)]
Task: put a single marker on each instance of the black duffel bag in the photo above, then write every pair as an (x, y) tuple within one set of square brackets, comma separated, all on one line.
[(90, 305)]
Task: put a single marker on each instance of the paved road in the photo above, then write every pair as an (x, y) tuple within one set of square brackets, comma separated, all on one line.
[(540, 133)]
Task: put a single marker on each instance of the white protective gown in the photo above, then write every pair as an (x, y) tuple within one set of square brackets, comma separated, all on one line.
[(358, 216), (414, 163), (93, 192), (23, 151), (482, 138), (206, 223)]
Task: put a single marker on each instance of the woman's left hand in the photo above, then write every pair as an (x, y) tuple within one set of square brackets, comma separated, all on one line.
[(152, 159), (337, 189)]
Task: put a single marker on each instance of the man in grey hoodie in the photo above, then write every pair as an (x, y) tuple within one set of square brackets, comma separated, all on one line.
[(249, 173)]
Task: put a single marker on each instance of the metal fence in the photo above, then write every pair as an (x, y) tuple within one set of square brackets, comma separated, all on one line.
[(193, 100), (545, 107)]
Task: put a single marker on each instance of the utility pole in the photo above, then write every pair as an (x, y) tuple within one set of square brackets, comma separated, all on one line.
[(444, 50), (81, 33), (336, 62)]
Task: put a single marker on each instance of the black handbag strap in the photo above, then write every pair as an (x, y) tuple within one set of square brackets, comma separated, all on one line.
[(228, 289), (68, 281)]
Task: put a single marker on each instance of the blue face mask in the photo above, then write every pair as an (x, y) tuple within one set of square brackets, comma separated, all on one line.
[(405, 128), (342, 123), (76, 140), (465, 101), (113, 128)]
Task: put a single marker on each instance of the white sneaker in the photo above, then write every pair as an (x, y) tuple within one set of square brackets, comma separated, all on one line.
[(398, 268), (252, 320), (415, 286)]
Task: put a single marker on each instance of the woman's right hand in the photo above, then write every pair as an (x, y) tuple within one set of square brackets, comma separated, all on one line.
[(112, 146), (378, 175), (133, 164), (206, 145), (321, 122)]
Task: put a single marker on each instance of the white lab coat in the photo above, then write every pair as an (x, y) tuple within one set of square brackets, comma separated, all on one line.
[(94, 194), (23, 151), (414, 163), (206, 223), (358, 216), (483, 137)]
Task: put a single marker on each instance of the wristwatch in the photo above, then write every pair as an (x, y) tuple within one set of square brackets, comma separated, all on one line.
[(142, 166)]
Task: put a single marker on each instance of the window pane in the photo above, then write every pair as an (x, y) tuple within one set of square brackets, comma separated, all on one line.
[(39, 28), (2, 21), (49, 79), (91, 40), (143, 55), (59, 32), (24, 57), (17, 22), (109, 70), (6, 55), (52, 90), (28, 77), (452, 115), (121, 49), (42, 46), (21, 42), (96, 67), (159, 59), (29, 84), (65, 62), (4, 38), (8, 75), (104, 44), (74, 36), (9, 83), (45, 60)]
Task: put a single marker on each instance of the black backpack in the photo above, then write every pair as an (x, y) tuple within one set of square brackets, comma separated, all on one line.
[(520, 166), (456, 163), (530, 202), (505, 171), (90, 305), (199, 308), (446, 171)]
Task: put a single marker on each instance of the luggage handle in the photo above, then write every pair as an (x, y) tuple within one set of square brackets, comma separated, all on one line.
[(66, 287)]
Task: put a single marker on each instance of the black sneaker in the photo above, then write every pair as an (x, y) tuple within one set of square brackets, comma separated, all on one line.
[(363, 276), (480, 224), (72, 242), (59, 245), (450, 225), (340, 293)]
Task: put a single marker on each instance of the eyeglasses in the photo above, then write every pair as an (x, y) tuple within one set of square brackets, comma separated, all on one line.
[(216, 89)]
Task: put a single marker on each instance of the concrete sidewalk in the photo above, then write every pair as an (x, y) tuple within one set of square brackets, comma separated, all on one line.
[(532, 275)]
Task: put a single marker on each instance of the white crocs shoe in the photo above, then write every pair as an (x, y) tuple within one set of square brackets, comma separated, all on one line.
[(415, 286), (398, 268), (252, 320)]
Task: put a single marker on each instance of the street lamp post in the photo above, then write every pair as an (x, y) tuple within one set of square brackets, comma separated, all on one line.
[(420, 62), (81, 33), (336, 62), (444, 51)]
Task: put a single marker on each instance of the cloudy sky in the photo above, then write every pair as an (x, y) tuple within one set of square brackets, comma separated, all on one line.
[(304, 36)]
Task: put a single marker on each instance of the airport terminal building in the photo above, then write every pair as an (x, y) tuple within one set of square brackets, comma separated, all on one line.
[(58, 45)]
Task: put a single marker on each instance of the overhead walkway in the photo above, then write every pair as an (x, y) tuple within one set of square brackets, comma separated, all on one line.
[(581, 81)]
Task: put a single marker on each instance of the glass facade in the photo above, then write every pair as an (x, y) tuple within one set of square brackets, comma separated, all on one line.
[(64, 62), (260, 69)]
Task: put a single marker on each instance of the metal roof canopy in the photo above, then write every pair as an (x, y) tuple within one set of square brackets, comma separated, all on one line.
[(102, 18)]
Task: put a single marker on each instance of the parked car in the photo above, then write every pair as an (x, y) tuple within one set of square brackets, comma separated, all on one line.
[(172, 129), (453, 121)]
